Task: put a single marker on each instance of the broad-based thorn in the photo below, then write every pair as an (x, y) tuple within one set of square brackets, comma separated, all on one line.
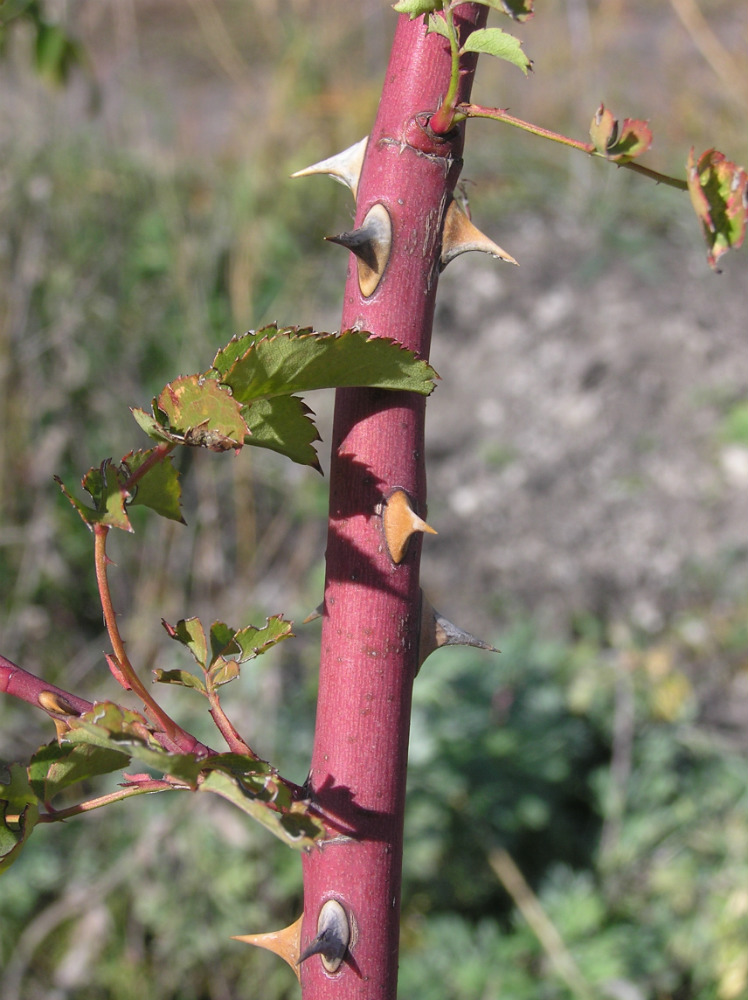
[(286, 943), (333, 936), (437, 631), (371, 243), (400, 522), (344, 167), (461, 236)]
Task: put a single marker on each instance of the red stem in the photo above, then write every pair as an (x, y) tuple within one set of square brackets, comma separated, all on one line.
[(16, 681), (371, 619)]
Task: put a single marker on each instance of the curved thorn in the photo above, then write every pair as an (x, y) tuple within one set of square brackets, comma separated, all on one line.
[(285, 943), (437, 631), (371, 243), (460, 236), (400, 522), (333, 935), (344, 167)]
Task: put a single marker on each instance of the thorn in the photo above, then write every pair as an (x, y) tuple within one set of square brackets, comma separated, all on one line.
[(286, 943), (313, 615), (400, 522), (333, 935), (344, 167), (371, 243), (437, 631), (460, 236), (51, 701)]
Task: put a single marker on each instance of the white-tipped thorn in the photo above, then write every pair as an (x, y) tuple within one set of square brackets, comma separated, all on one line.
[(344, 167), (461, 236), (285, 943), (313, 615), (371, 243), (400, 522), (437, 631)]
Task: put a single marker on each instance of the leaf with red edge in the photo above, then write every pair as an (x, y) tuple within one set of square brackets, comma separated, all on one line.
[(719, 195), (619, 142), (202, 413)]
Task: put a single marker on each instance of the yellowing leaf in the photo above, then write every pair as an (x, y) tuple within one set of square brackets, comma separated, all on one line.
[(619, 142), (719, 195)]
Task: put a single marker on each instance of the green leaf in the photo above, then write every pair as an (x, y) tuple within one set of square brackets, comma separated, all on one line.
[(283, 424), (19, 814), (292, 824), (190, 632), (719, 195), (619, 142), (286, 362), (106, 486), (222, 672), (181, 677), (159, 487), (255, 641), (12, 8), (201, 413), (238, 346), (496, 42), (436, 25), (222, 641), (518, 10), (54, 767), (115, 728), (415, 8), (152, 426)]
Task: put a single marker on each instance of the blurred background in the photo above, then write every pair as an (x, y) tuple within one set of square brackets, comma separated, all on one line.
[(578, 804)]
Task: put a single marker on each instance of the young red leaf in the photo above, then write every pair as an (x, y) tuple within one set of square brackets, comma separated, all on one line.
[(719, 195), (619, 143)]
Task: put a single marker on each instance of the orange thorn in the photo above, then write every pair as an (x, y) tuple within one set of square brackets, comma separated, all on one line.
[(460, 236), (400, 522), (286, 943)]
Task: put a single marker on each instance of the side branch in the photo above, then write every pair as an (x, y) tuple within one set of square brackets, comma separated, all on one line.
[(181, 740), (465, 111)]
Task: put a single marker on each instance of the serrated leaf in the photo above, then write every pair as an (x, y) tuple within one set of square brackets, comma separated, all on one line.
[(283, 424), (159, 487), (201, 413), (496, 42), (293, 825), (17, 799), (105, 486), (54, 767), (518, 10), (190, 632), (115, 728), (436, 25), (152, 426), (719, 195), (222, 641), (416, 8), (618, 142), (238, 346), (183, 678), (254, 641), (223, 672), (287, 362)]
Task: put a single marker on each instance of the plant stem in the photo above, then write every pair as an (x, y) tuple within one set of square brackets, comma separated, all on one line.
[(181, 740), (371, 619), (141, 788), (464, 111)]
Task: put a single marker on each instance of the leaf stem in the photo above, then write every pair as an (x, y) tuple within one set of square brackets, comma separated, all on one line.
[(464, 111), (180, 739), (234, 741), (141, 788), (159, 453), (444, 119)]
